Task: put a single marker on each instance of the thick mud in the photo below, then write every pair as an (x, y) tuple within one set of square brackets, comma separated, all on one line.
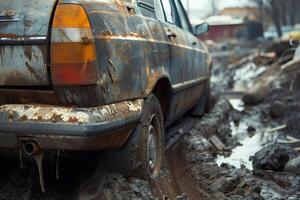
[(246, 147)]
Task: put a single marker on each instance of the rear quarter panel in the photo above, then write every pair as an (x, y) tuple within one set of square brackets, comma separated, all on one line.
[(131, 50)]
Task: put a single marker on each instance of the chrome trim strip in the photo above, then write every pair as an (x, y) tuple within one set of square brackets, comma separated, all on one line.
[(134, 38), (188, 84), (146, 5), (23, 40), (9, 20)]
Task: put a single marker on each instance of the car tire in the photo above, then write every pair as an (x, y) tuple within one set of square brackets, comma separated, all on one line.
[(142, 155)]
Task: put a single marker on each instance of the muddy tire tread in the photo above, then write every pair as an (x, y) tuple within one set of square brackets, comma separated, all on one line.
[(131, 158)]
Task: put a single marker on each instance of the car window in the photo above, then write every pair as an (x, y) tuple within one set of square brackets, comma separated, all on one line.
[(183, 18), (169, 11), (159, 10), (147, 8)]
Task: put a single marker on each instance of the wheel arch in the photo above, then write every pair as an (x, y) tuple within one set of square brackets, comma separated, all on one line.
[(163, 91)]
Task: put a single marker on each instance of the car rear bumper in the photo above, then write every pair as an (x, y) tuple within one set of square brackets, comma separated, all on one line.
[(65, 128)]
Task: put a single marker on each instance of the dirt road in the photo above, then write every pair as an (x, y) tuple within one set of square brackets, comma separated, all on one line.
[(206, 158)]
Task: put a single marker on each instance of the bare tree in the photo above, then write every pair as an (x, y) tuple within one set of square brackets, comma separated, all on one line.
[(292, 8), (214, 7), (274, 10), (272, 7), (283, 12)]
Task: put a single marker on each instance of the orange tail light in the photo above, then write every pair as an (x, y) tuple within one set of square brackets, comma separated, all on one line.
[(73, 52)]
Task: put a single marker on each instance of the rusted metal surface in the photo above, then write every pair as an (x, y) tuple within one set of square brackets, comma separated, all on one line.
[(31, 18), (45, 113), (23, 65), (134, 53), (23, 33), (76, 129)]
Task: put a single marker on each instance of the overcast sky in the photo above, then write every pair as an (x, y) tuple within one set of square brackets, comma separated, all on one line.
[(201, 8)]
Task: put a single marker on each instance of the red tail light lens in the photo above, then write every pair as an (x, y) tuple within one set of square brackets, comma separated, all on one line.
[(73, 54)]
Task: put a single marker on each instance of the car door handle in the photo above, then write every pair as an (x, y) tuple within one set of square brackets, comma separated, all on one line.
[(194, 43), (170, 34)]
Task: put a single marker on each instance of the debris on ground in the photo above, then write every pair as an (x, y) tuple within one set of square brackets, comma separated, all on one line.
[(273, 157), (271, 115)]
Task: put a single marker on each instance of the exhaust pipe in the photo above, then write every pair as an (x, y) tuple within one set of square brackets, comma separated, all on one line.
[(34, 150), (31, 148)]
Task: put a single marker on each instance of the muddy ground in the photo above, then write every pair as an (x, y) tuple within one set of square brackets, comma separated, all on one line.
[(247, 147)]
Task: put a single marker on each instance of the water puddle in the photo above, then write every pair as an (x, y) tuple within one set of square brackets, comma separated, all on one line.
[(237, 104), (252, 136)]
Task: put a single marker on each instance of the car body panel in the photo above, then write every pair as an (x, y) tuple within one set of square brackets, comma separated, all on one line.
[(134, 53), (24, 29), (118, 33), (131, 50)]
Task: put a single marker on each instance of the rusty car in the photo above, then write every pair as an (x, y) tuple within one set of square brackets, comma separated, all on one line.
[(93, 75)]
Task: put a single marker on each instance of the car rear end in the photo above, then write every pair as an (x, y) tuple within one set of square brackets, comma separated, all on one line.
[(47, 50), (49, 92)]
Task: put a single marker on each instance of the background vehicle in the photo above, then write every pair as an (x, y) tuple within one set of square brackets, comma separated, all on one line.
[(96, 75)]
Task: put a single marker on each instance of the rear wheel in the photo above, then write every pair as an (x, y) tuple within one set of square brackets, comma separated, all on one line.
[(142, 155)]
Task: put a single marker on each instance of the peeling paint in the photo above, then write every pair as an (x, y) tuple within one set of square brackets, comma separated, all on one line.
[(46, 113)]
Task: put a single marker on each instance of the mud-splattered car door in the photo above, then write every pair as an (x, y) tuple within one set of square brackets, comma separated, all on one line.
[(182, 64), (176, 39), (24, 26), (197, 68)]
